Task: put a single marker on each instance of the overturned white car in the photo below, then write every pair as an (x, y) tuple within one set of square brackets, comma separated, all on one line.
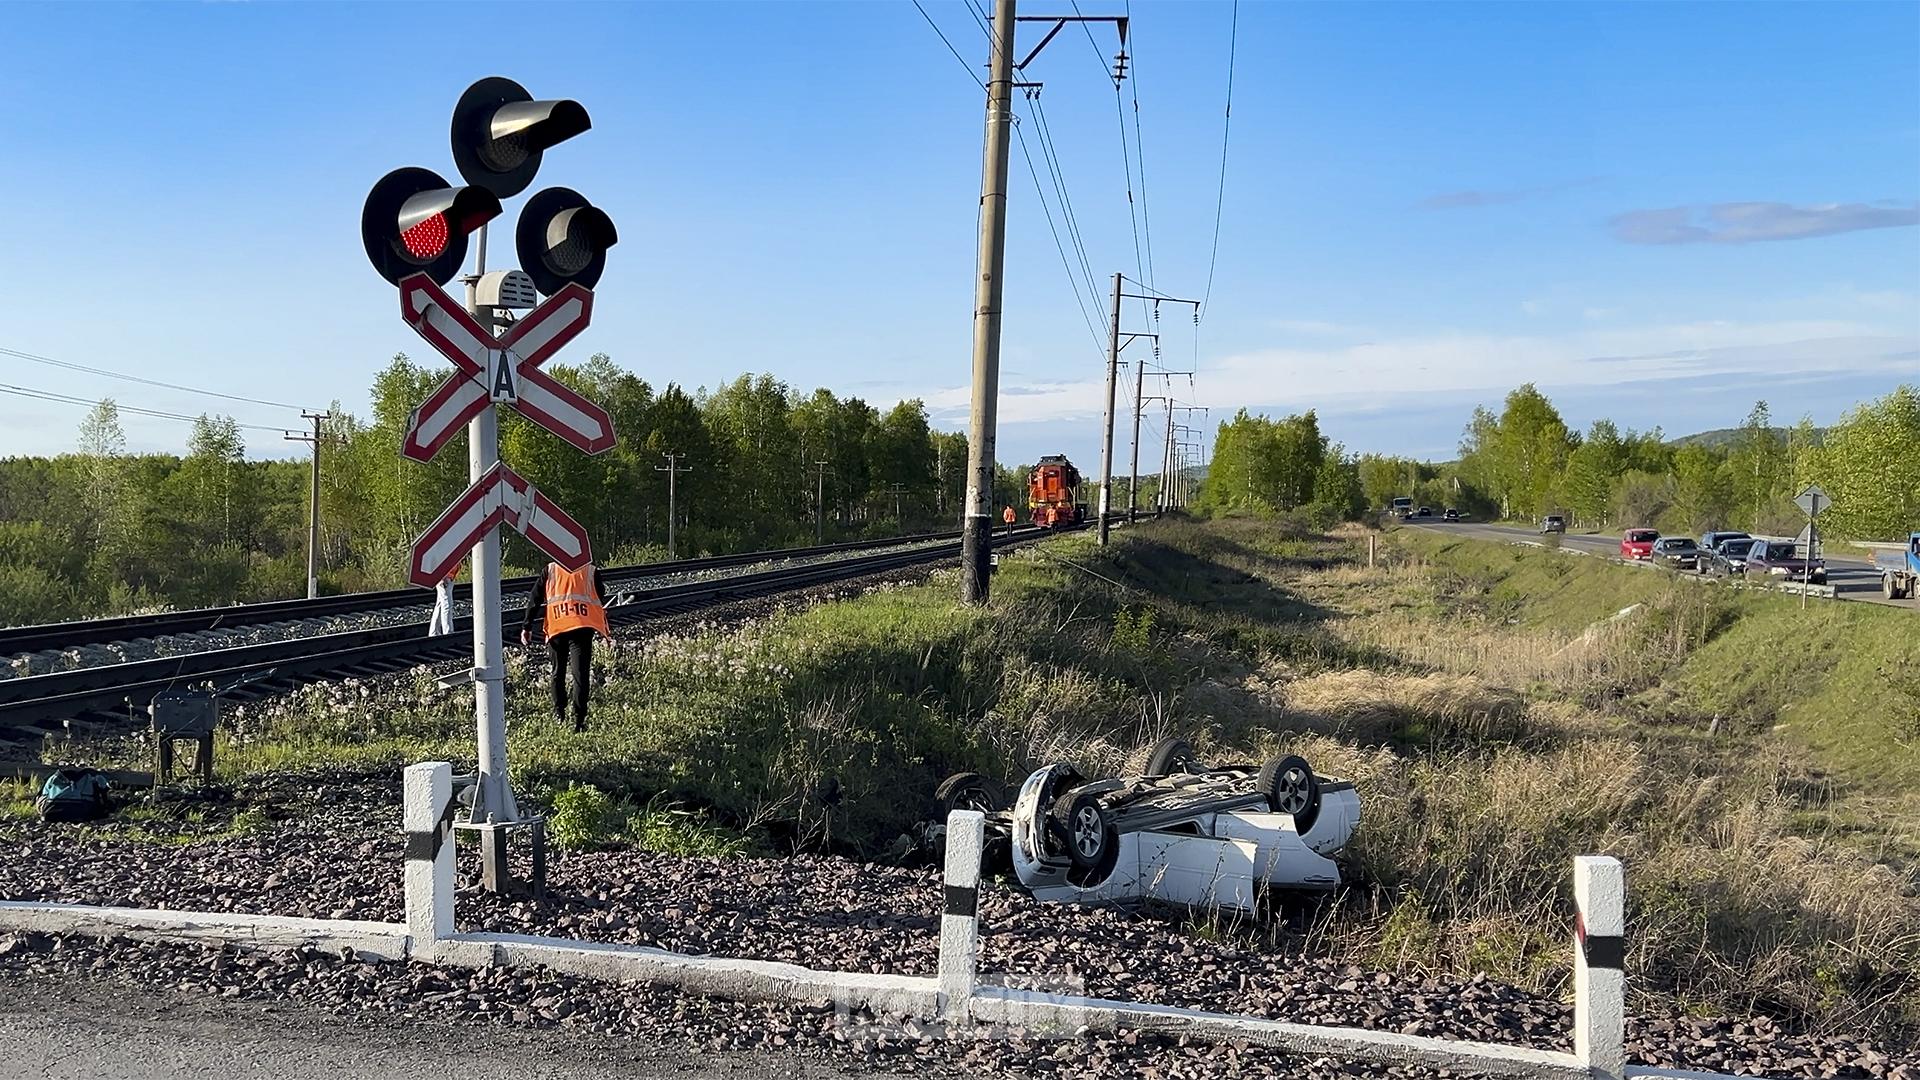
[(1181, 833)]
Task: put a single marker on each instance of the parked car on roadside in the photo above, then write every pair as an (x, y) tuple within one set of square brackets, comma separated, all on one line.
[(1710, 542), (1677, 553), (1638, 543), (1553, 523), (1730, 557), (1781, 559)]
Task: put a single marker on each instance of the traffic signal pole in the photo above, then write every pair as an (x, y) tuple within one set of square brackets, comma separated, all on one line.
[(976, 540), (493, 797)]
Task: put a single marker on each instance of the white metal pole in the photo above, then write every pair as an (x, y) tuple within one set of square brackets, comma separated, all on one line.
[(493, 800)]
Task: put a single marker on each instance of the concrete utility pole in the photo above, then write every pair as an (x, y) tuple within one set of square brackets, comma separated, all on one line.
[(819, 502), (1139, 400), (313, 502), (1179, 480), (1106, 444), (976, 540), (673, 469)]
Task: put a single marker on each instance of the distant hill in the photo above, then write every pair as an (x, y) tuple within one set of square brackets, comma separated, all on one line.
[(1722, 438)]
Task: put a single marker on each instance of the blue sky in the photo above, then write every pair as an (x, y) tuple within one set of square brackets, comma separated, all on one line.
[(1656, 212)]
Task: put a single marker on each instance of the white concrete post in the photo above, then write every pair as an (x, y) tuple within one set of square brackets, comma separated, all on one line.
[(427, 818), (1599, 953), (960, 918)]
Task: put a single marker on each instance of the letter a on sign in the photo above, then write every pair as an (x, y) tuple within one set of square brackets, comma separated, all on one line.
[(503, 387)]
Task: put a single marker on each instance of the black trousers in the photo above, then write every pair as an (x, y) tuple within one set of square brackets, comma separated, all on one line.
[(572, 655)]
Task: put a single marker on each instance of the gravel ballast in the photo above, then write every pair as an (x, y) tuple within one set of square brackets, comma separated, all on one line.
[(341, 859)]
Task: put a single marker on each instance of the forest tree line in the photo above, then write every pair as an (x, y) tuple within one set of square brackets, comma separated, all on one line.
[(101, 531), (1524, 462)]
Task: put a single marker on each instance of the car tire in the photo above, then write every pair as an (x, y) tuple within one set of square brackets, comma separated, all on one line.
[(1172, 757), (1291, 788), (1088, 830), (968, 791), (1887, 588)]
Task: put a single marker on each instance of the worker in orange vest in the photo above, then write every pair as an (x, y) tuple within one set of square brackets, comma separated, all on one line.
[(1007, 516), (573, 606)]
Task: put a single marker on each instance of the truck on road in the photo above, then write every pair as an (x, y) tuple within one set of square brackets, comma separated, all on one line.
[(1900, 574)]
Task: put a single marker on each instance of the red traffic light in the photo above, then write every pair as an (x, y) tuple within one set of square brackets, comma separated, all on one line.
[(414, 223), (499, 133), (562, 238)]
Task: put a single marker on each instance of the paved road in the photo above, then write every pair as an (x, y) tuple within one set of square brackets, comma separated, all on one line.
[(1852, 579), (95, 1031)]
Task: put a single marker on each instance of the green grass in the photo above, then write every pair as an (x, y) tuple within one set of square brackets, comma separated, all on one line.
[(17, 800), (1494, 713), (1841, 678)]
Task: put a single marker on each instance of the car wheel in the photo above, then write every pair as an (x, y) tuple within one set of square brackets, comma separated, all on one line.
[(968, 791), (1089, 836), (1887, 588), (1172, 757), (1292, 789)]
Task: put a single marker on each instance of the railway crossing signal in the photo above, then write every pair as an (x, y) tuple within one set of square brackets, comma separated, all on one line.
[(500, 497), (415, 222), (500, 132), (563, 239), (503, 369), (414, 227)]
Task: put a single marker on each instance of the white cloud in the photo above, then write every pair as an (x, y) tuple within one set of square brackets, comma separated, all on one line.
[(1349, 378), (1748, 222)]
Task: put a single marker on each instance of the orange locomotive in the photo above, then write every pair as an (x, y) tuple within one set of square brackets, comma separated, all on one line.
[(1050, 492)]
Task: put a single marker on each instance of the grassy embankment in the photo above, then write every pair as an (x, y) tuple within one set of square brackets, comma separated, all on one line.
[(1498, 717)]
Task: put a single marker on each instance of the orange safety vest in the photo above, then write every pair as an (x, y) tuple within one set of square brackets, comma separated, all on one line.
[(1007, 516), (571, 603)]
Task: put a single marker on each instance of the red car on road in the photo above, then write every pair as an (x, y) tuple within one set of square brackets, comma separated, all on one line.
[(1638, 543)]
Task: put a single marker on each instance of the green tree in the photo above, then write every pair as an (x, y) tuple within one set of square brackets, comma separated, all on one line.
[(1870, 465)]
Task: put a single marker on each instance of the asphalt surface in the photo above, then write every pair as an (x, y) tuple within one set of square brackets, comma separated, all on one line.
[(1852, 579), (65, 1030)]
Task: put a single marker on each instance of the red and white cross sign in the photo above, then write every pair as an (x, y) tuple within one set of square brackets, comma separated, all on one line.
[(500, 497), (503, 369)]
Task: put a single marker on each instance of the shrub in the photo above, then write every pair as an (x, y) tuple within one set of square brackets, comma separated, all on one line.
[(586, 819)]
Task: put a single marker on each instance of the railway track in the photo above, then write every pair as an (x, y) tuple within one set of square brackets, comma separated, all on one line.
[(115, 694), (15, 640)]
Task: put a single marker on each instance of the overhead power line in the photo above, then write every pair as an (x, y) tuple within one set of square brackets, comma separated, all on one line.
[(104, 373), (1140, 151), (1226, 131), (949, 45), (69, 399), (1073, 282)]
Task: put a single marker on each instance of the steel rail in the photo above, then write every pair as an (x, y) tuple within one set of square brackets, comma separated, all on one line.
[(113, 691), (15, 640)]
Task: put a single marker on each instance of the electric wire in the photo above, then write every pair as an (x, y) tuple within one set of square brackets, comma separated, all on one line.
[(1226, 131), (1126, 159), (69, 399), (1140, 152), (1072, 281), (949, 45), (105, 373), (1050, 150)]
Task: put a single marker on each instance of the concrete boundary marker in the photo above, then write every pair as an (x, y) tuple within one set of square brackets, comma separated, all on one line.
[(1039, 1011), (954, 995), (716, 976), (383, 941)]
